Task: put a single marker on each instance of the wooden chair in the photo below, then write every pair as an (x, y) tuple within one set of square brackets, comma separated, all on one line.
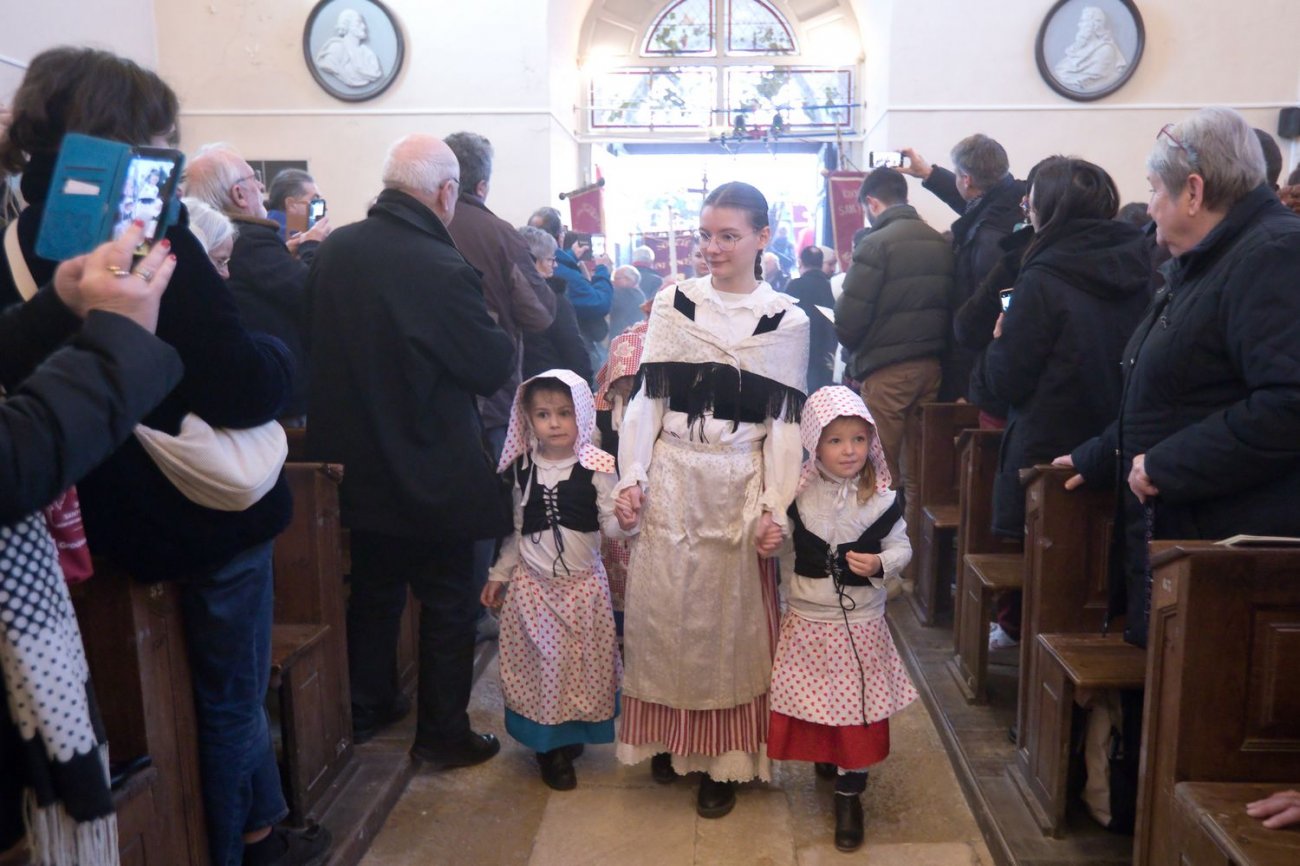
[(986, 563), (1222, 700), (1212, 828), (938, 509)]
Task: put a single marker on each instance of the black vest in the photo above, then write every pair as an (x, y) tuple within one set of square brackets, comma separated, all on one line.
[(812, 555), (570, 503)]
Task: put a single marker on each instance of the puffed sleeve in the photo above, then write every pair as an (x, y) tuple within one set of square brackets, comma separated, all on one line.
[(782, 460), (642, 422), (895, 550), (606, 490)]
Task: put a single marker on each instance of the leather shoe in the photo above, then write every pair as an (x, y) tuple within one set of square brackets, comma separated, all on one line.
[(661, 769), (848, 822), (397, 711), (557, 769), (574, 751), (715, 798), (284, 847), (473, 749), (825, 770)]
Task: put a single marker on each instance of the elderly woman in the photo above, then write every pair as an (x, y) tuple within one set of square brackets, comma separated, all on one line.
[(215, 231), (1207, 443), (560, 346)]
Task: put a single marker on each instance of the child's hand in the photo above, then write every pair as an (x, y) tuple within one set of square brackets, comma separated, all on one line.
[(768, 537), (494, 594), (627, 508), (863, 564)]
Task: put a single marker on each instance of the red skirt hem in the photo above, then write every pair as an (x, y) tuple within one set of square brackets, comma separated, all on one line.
[(852, 746)]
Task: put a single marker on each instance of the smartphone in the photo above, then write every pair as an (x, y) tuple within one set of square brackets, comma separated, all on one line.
[(885, 159), (597, 246), (147, 192), (315, 211), (1005, 297)]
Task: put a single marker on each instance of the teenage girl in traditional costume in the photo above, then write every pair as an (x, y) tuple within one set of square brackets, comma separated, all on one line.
[(560, 665), (709, 455), (837, 677)]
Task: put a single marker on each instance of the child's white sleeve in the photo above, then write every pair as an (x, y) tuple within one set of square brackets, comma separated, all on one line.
[(504, 568), (895, 549), (782, 462), (605, 485), (636, 438)]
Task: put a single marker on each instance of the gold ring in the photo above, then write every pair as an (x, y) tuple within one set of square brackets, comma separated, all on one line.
[(118, 272)]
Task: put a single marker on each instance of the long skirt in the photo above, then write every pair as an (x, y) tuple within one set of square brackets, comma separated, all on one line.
[(560, 666), (701, 616)]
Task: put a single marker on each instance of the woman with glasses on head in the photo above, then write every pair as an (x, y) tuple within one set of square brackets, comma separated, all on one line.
[(1207, 439), (709, 454)]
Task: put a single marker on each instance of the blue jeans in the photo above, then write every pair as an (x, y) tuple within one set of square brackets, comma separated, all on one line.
[(228, 629)]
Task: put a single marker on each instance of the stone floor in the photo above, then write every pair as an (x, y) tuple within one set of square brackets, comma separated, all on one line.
[(501, 813)]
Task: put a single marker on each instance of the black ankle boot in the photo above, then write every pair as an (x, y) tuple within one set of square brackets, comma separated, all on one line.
[(825, 770), (557, 769), (848, 822), (661, 768), (715, 798)]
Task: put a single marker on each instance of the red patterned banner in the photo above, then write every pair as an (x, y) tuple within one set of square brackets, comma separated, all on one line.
[(658, 241), (847, 215), (587, 210)]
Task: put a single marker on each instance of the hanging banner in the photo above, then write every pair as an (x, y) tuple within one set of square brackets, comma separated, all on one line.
[(587, 208), (658, 241), (847, 215)]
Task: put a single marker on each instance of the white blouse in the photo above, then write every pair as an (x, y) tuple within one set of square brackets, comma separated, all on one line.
[(733, 317), (829, 509), (538, 551)]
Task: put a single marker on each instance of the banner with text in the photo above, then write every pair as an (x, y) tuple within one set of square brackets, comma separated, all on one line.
[(847, 215), (587, 210)]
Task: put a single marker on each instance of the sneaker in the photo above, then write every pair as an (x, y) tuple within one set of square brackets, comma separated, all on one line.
[(284, 847), (1000, 640)]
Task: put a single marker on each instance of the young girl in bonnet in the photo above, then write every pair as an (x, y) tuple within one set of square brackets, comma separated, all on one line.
[(837, 676)]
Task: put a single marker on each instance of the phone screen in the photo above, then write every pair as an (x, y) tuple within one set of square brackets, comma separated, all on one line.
[(315, 211), (598, 245), (150, 184), (1005, 297), (885, 158)]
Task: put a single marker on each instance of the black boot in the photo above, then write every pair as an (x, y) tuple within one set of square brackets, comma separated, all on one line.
[(661, 768), (715, 798), (825, 769), (848, 821), (557, 769)]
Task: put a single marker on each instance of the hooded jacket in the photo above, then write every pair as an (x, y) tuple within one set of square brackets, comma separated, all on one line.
[(1076, 301)]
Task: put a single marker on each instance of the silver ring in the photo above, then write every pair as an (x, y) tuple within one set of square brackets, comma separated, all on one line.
[(144, 274), (120, 273)]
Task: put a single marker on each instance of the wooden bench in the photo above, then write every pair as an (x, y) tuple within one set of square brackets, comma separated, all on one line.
[(1212, 827), (987, 564), (1069, 665), (309, 641), (135, 647), (1222, 701), (938, 511)]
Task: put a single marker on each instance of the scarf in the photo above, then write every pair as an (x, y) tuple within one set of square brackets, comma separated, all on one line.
[(67, 808)]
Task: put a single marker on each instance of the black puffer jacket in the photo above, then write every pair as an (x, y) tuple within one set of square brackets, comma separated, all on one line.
[(1056, 365), (1211, 397), (896, 303)]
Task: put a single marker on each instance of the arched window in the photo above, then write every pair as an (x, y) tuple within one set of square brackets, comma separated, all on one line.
[(721, 64)]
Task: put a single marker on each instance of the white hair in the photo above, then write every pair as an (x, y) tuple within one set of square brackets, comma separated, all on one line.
[(540, 243), (628, 272), (1219, 145), (414, 163), (212, 174), (643, 253), (208, 224), (344, 22)]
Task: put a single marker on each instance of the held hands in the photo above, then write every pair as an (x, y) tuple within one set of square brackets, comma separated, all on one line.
[(915, 165), (1074, 482), (104, 279), (1279, 810), (863, 564), (494, 594), (1139, 482), (627, 508), (768, 536)]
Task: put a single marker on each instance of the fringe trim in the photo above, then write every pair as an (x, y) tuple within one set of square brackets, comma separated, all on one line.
[(57, 839), (698, 387)]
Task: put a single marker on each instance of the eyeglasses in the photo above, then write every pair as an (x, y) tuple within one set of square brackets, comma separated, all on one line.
[(725, 241), (1166, 131), (256, 175)]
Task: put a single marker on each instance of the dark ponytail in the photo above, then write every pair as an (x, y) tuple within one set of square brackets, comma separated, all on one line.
[(743, 197)]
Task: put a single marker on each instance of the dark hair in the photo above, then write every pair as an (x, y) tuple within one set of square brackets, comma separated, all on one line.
[(1272, 157), (982, 159), (552, 224), (88, 91), (1067, 189), (544, 385), (811, 257), (474, 152), (1134, 213), (743, 197), (886, 185), (289, 182)]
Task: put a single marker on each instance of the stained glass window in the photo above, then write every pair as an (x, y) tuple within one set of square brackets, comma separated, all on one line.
[(656, 97), (802, 96), (685, 27), (753, 27)]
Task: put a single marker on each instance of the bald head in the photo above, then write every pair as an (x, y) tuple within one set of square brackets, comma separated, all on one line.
[(423, 167), (220, 177)]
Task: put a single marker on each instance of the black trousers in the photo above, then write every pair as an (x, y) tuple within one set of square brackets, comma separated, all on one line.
[(440, 575)]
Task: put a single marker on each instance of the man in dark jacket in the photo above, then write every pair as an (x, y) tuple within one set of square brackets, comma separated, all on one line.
[(812, 288), (269, 283), (402, 342), (894, 317), (981, 189), (648, 279)]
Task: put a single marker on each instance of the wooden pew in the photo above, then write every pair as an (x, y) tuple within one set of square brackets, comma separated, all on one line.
[(309, 640), (986, 563), (938, 510), (135, 647), (1212, 828), (1222, 702)]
